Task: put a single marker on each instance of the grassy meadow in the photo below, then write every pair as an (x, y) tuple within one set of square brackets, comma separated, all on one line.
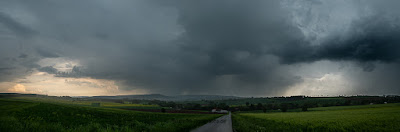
[(28, 115), (379, 117)]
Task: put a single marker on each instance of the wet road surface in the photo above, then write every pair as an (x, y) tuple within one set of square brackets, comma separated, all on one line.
[(221, 124)]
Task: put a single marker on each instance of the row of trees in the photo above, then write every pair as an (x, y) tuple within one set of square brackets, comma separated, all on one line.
[(318, 102), (273, 104)]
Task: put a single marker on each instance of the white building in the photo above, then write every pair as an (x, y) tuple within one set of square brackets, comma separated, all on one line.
[(219, 111)]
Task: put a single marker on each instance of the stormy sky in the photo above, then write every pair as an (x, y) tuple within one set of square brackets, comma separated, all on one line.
[(183, 47)]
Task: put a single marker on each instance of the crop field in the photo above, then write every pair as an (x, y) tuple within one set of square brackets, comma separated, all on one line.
[(380, 117), (88, 103), (19, 115)]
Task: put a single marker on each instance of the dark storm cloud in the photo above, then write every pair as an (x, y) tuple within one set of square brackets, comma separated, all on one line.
[(15, 26), (76, 72), (23, 56), (370, 39), (13, 68), (46, 53), (14, 62), (230, 47), (48, 69), (5, 69), (236, 37)]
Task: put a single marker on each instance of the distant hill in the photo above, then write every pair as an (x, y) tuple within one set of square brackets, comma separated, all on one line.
[(203, 97), (170, 98), (139, 97)]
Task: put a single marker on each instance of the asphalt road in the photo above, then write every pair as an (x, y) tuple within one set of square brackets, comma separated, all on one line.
[(221, 124)]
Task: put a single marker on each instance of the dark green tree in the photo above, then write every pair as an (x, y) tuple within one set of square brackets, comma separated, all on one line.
[(252, 107), (304, 107), (284, 107), (259, 106)]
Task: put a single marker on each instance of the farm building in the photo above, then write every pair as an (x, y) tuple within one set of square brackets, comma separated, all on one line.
[(219, 111)]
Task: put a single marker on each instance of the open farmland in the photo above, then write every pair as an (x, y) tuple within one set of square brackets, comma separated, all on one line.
[(381, 117), (18, 115), (105, 104)]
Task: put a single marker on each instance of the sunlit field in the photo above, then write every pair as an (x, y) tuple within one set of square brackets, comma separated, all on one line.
[(20, 115), (380, 117)]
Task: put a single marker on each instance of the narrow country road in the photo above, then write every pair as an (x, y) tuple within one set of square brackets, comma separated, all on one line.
[(221, 124)]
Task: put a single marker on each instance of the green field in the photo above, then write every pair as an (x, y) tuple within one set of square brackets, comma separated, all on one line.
[(25, 115), (104, 104), (381, 117)]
